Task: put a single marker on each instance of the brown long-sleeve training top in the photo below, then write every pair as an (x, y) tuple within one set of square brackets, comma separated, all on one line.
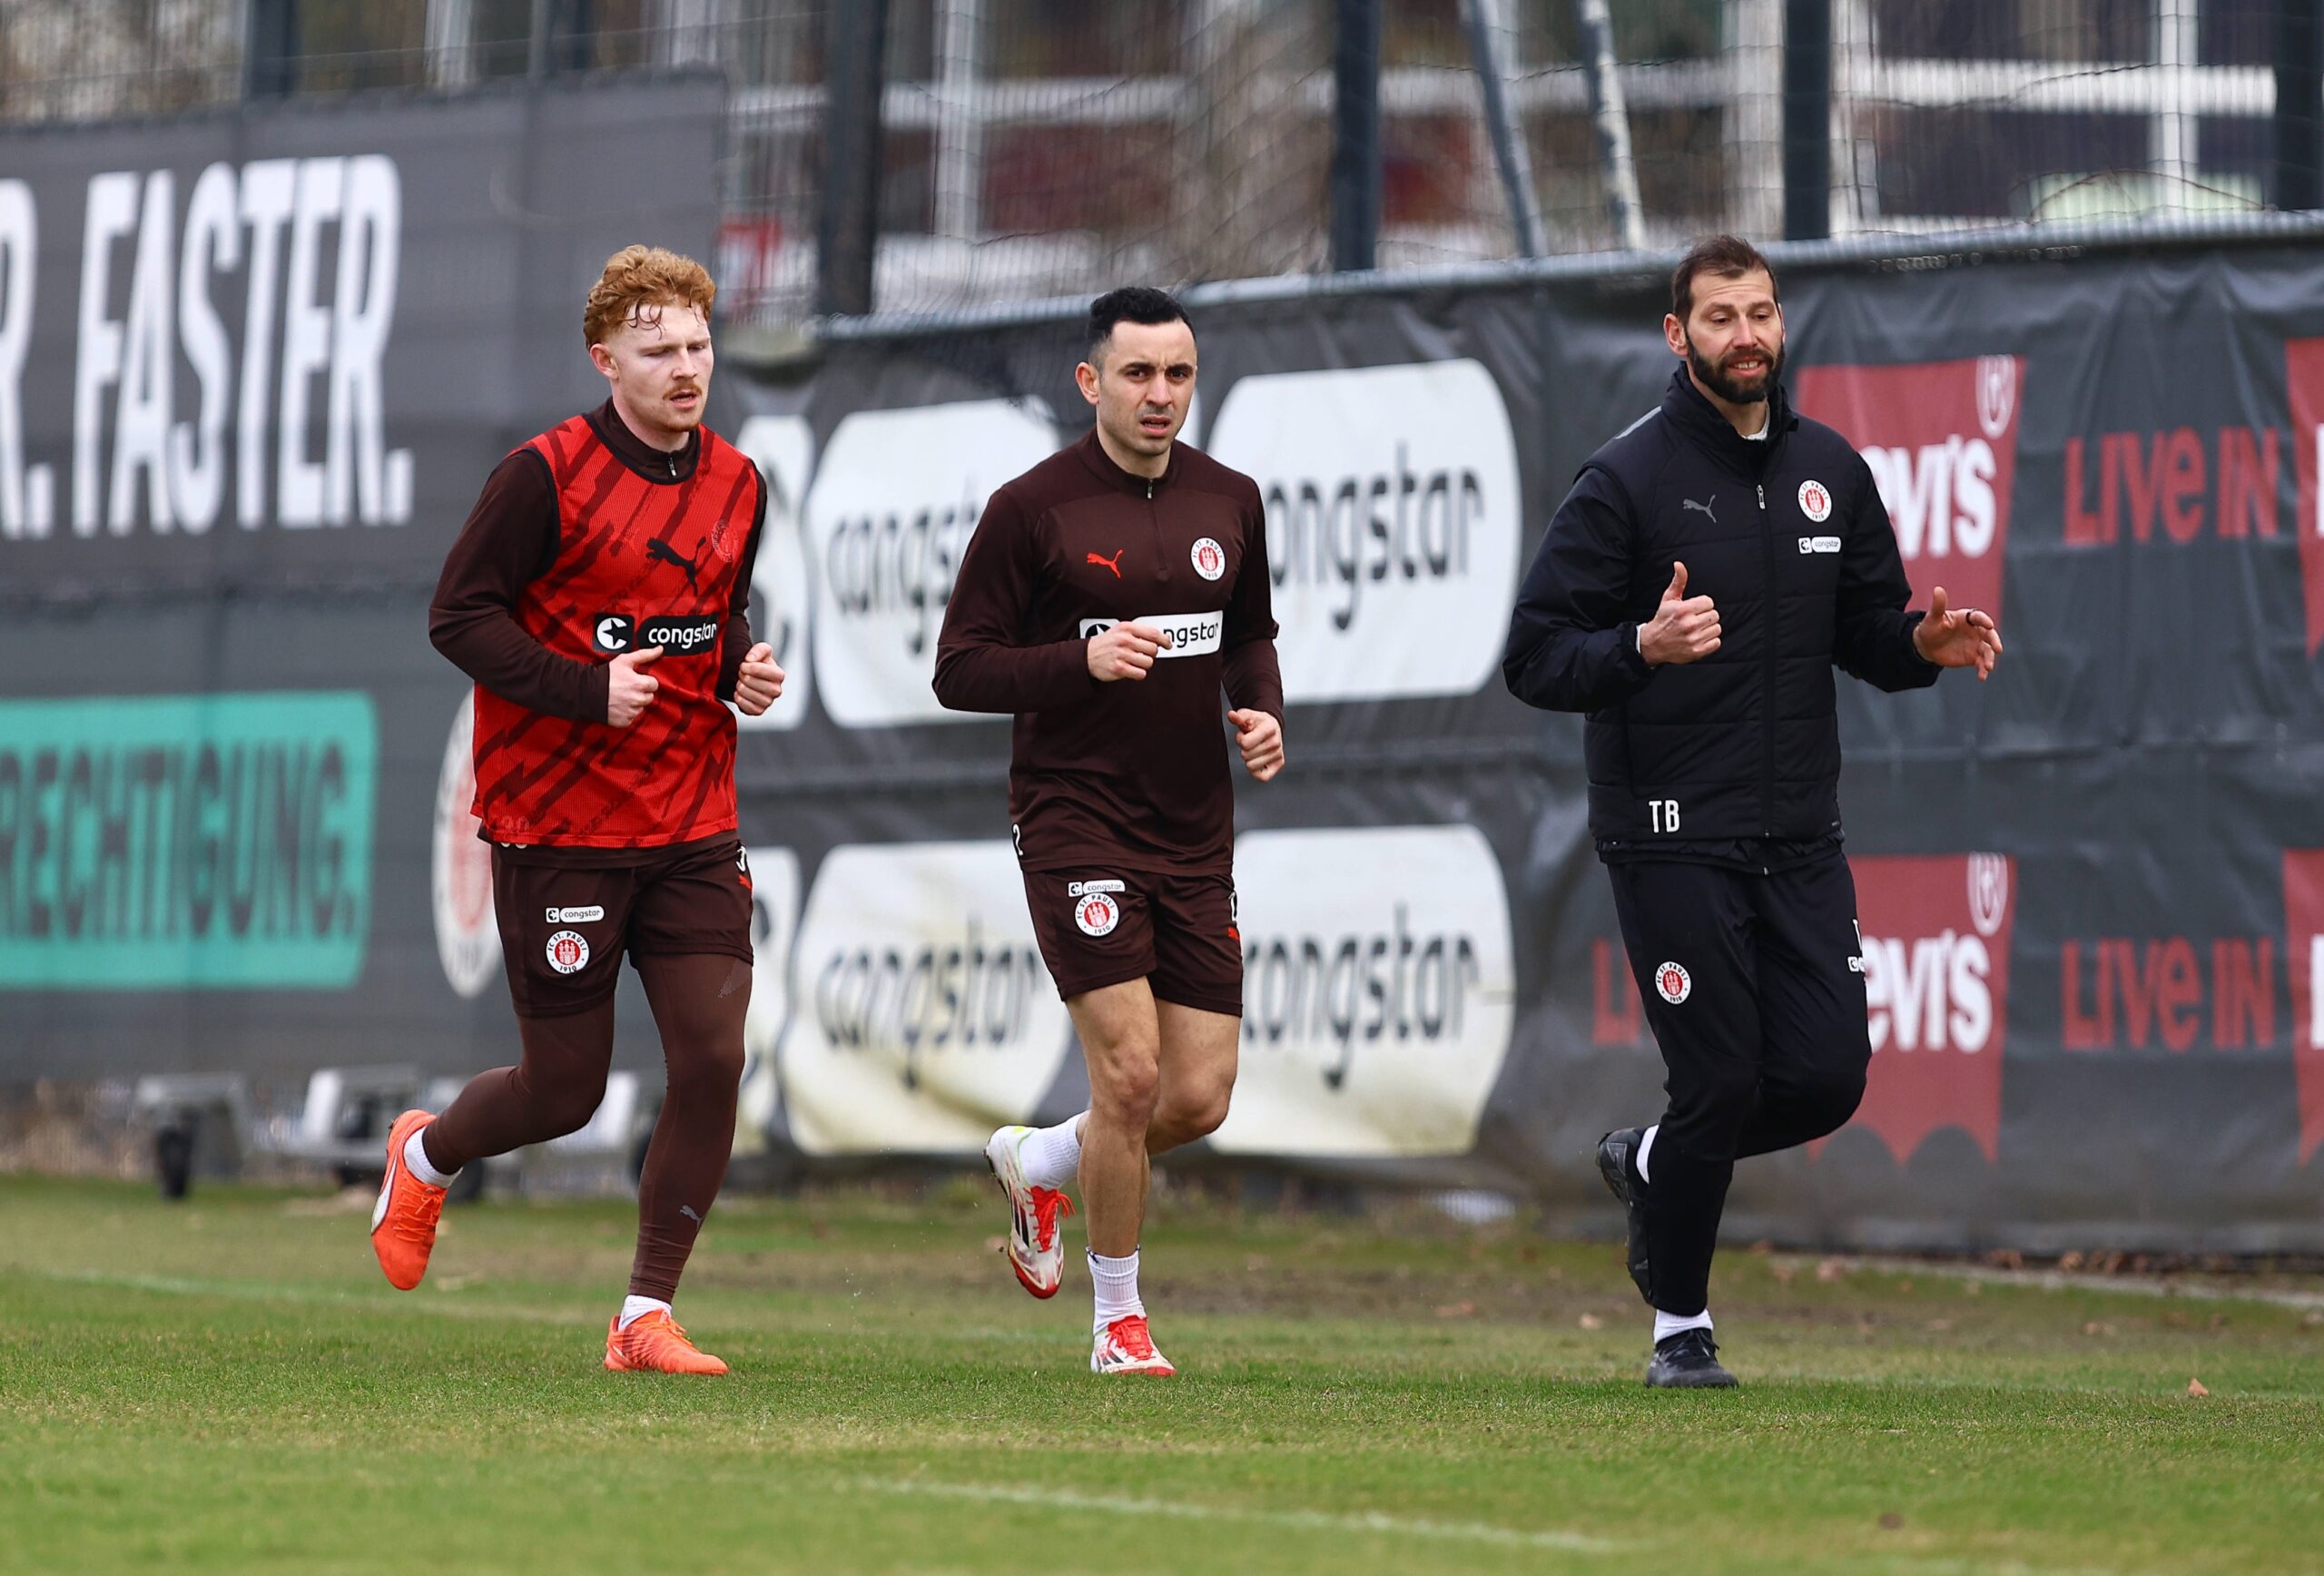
[(1133, 773)]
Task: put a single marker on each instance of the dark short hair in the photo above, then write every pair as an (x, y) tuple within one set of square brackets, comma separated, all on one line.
[(1728, 257), (1136, 303)]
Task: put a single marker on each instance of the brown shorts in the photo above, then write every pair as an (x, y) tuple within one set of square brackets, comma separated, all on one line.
[(1100, 926), (563, 930)]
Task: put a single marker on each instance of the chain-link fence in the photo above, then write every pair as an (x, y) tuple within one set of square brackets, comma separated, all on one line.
[(1035, 147)]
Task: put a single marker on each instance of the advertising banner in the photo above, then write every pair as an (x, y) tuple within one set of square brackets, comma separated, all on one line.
[(254, 367), (2086, 890)]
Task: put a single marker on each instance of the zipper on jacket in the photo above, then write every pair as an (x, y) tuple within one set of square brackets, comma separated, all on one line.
[(1767, 670), (1161, 552)]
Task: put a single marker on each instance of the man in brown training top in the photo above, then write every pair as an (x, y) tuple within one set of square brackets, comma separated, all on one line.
[(1107, 597), (598, 595)]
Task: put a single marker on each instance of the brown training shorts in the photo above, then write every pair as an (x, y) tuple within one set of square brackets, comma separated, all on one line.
[(563, 930), (1099, 926)]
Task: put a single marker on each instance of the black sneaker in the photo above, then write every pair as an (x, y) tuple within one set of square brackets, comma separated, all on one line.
[(1614, 1152), (1688, 1361)]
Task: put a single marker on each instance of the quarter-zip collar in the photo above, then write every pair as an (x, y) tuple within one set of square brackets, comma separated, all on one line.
[(1101, 465), (1684, 406), (667, 466)]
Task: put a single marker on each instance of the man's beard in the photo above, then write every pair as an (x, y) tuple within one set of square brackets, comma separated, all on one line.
[(1716, 381)]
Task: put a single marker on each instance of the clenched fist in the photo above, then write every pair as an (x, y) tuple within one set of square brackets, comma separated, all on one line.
[(759, 684), (1260, 738), (629, 688), (1125, 651)]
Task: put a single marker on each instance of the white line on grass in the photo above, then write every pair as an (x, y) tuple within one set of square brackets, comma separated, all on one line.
[(1194, 1510), (1374, 1522), (312, 1296), (2052, 1280)]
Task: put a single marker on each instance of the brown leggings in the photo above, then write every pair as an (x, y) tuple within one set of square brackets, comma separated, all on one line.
[(698, 1000)]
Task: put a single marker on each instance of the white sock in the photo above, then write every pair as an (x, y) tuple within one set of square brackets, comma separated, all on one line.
[(1668, 1325), (415, 1156), (1645, 1148), (1051, 1156), (635, 1308), (1115, 1280)]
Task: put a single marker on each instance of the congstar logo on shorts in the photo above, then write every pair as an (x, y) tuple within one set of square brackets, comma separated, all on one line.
[(617, 632)]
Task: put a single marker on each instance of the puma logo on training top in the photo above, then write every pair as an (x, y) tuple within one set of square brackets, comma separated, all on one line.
[(1114, 563), (1705, 507), (657, 549)]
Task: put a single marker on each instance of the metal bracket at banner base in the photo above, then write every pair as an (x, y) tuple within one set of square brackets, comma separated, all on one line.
[(210, 1122)]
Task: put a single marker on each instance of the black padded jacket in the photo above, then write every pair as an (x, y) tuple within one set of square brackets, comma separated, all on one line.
[(1789, 537)]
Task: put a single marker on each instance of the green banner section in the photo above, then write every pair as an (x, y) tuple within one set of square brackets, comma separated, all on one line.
[(159, 843)]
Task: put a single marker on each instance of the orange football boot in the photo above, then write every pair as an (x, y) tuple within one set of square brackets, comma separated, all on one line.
[(403, 1222), (655, 1343)]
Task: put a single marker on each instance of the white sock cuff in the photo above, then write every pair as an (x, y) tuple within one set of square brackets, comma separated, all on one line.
[(1115, 1282), (1668, 1325), (1051, 1156), (635, 1308), (1645, 1148), (415, 1158)]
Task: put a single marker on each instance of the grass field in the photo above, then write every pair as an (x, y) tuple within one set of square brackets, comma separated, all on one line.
[(229, 1385)]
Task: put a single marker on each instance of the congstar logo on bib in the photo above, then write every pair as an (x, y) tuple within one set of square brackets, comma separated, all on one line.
[(617, 633), (1393, 510)]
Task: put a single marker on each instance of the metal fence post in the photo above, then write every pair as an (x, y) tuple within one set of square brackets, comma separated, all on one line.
[(1807, 119), (2299, 87), (271, 49), (847, 230), (1610, 112), (1491, 51), (1355, 135)]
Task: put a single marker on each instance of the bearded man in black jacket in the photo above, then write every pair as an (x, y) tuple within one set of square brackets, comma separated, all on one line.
[(1709, 568)]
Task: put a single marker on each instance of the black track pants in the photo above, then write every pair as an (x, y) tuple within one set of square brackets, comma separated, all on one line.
[(1754, 988)]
